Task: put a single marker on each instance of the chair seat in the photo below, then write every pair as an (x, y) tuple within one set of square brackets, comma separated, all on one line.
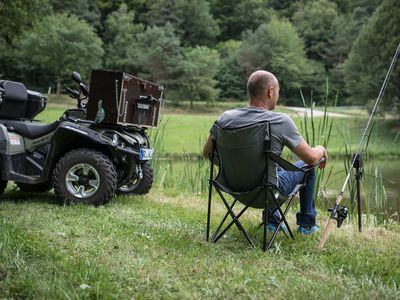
[(29, 129), (256, 197)]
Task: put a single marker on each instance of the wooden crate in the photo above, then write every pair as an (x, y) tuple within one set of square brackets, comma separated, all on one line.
[(123, 99)]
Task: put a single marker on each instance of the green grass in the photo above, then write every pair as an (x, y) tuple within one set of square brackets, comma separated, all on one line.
[(153, 247)]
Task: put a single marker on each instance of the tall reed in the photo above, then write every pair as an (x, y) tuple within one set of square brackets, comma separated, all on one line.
[(318, 132), (183, 175), (157, 137)]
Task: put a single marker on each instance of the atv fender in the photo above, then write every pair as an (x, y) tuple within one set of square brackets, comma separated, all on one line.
[(70, 136)]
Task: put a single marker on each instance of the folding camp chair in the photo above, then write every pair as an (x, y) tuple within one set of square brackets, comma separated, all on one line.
[(245, 160)]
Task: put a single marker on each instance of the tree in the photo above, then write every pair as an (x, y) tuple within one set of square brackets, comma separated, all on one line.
[(280, 4), (234, 17), (120, 37), (56, 46), (83, 9), (277, 47), (347, 28), (106, 7), (191, 20), (199, 67), (315, 22), (345, 35), (230, 78), (18, 15), (157, 54), (370, 56)]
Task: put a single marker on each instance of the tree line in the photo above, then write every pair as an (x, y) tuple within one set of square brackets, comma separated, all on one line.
[(205, 49)]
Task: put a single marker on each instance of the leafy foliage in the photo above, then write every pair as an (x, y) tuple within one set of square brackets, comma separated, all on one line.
[(370, 56), (191, 19), (231, 79), (18, 15), (315, 23), (199, 68), (58, 45), (120, 35), (277, 47), (158, 53), (234, 17), (83, 9), (151, 38)]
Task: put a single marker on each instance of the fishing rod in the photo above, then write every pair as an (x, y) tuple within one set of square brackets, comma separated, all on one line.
[(339, 213)]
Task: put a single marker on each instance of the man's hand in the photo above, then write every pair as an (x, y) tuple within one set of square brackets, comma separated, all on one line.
[(311, 156), (321, 149)]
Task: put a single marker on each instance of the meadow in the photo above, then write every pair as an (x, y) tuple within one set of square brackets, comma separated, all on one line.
[(153, 246), (186, 131)]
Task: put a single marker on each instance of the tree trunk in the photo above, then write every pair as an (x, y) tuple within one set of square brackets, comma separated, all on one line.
[(58, 87)]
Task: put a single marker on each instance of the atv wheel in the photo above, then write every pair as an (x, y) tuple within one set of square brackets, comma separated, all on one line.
[(139, 186), (3, 185), (35, 188), (85, 176)]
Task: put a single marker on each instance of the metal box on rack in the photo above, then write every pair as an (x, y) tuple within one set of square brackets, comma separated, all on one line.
[(123, 99), (17, 102)]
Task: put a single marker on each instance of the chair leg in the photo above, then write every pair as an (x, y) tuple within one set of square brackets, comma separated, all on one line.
[(273, 237), (235, 219), (209, 212), (265, 221), (282, 220), (270, 212), (283, 216), (230, 225), (223, 221)]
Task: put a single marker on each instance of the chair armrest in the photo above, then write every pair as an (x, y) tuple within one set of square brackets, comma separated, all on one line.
[(307, 168), (283, 162)]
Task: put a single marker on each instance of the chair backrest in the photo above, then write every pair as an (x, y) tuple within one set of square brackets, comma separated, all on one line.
[(241, 153)]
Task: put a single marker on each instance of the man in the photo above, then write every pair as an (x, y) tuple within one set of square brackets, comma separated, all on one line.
[(263, 92)]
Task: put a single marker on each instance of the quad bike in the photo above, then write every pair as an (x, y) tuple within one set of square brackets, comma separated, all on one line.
[(84, 160)]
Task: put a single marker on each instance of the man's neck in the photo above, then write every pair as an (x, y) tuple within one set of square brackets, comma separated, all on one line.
[(259, 104)]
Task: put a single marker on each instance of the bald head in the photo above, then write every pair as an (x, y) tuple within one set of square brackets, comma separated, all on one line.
[(263, 89), (259, 81)]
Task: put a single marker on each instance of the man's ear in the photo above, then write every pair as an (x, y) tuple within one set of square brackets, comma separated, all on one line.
[(268, 92)]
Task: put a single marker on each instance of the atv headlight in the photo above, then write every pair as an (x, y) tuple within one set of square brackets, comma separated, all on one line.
[(115, 139)]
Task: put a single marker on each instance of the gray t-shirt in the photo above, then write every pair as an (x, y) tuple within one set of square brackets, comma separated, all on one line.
[(283, 130)]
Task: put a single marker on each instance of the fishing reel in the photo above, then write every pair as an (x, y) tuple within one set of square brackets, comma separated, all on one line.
[(339, 213)]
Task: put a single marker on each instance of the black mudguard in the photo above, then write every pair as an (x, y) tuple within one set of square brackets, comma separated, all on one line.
[(69, 136)]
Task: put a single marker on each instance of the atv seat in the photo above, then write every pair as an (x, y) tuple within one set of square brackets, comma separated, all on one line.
[(30, 130)]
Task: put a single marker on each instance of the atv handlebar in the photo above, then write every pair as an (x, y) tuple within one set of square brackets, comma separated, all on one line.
[(82, 90)]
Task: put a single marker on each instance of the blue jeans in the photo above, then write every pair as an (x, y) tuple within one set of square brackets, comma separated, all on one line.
[(287, 181)]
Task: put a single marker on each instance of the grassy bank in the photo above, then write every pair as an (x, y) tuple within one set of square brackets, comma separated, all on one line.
[(153, 247)]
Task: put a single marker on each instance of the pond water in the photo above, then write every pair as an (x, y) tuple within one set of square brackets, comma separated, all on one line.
[(380, 184)]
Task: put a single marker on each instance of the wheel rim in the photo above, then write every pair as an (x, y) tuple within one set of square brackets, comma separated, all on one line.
[(82, 180), (130, 186)]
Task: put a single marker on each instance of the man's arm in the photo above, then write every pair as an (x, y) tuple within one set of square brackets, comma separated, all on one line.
[(309, 155), (207, 147)]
